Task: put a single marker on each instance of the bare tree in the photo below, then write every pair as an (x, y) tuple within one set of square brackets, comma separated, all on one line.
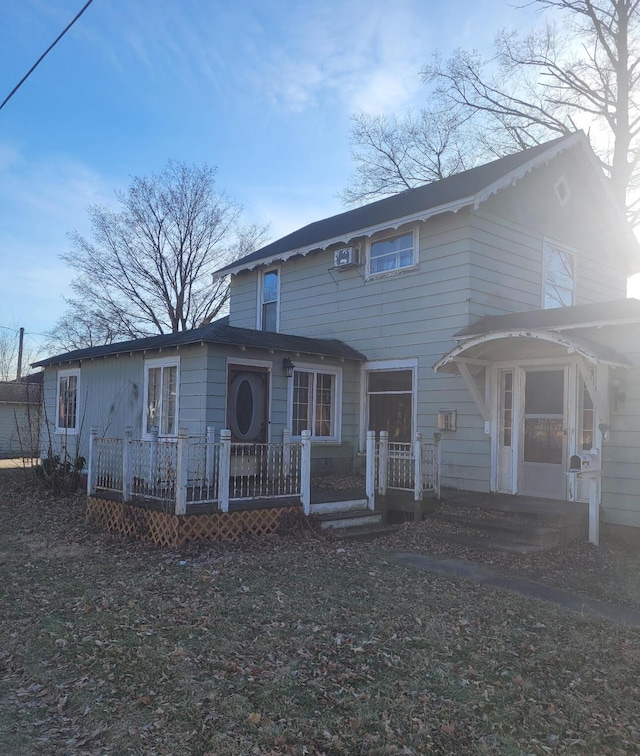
[(582, 72), (393, 154), (147, 268)]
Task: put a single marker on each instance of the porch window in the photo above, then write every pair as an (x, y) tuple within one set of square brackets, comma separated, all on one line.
[(161, 396), (269, 298), (393, 253), (587, 420), (315, 404), (390, 395), (559, 276), (67, 401)]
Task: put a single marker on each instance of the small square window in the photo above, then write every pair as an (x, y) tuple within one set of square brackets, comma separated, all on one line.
[(447, 419)]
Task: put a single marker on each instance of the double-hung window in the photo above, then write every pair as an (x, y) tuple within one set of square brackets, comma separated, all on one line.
[(559, 276), (161, 396), (269, 298), (393, 253), (315, 403), (67, 394)]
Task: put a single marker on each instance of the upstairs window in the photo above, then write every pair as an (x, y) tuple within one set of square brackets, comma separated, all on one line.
[(269, 298), (161, 396), (393, 253), (67, 401), (559, 276)]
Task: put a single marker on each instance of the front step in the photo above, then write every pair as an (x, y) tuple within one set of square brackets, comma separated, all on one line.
[(507, 523), (329, 507), (490, 544), (511, 530), (349, 519)]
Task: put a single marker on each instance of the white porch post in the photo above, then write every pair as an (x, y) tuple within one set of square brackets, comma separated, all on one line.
[(305, 472), (370, 470), (182, 463), (91, 463), (153, 456), (437, 460), (210, 455), (594, 509), (127, 464), (417, 468), (286, 452), (224, 471), (383, 463)]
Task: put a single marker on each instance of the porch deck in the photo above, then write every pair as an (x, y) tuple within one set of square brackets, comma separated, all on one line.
[(512, 504)]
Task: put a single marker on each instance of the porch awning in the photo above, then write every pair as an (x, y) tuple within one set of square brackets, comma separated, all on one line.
[(520, 344)]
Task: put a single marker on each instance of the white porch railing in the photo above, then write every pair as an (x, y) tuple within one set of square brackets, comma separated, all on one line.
[(413, 467), (200, 471), (209, 471)]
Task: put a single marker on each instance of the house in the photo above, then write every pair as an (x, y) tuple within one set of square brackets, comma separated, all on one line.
[(20, 408), (488, 308)]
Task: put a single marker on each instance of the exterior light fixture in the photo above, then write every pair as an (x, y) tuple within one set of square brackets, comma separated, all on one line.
[(288, 367)]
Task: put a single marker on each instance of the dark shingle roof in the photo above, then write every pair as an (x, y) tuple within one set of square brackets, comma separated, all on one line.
[(19, 392), (578, 316), (438, 194), (218, 332)]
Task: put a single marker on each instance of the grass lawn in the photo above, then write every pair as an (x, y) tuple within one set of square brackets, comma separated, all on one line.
[(297, 646)]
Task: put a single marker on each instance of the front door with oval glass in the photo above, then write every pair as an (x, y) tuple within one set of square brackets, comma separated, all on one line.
[(247, 404)]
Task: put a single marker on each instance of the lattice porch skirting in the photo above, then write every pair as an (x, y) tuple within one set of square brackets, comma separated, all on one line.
[(166, 529)]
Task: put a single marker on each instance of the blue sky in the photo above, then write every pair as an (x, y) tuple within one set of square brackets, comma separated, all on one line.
[(262, 89)]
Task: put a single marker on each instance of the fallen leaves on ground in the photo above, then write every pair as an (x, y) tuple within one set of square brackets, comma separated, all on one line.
[(293, 646)]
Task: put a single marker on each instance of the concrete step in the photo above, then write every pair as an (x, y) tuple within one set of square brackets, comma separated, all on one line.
[(364, 532), (349, 519), (328, 507), (505, 527), (489, 543)]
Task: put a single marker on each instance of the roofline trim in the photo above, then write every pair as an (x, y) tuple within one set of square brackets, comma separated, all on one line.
[(558, 327), (422, 216), (550, 336), (474, 200)]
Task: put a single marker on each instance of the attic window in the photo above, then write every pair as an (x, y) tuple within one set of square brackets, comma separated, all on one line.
[(561, 189)]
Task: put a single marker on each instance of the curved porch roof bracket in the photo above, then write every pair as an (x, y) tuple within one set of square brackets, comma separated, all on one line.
[(486, 348)]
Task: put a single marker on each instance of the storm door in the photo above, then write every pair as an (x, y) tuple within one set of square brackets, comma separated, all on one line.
[(544, 440), (247, 403), (390, 399)]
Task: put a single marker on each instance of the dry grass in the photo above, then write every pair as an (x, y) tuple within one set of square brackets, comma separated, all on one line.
[(287, 647)]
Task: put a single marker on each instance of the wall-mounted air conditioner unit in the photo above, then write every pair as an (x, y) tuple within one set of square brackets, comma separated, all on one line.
[(345, 258)]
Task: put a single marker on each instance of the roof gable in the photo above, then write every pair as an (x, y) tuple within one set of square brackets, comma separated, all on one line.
[(469, 188)]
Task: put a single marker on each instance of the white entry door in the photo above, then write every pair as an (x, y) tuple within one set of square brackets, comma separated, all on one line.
[(543, 455)]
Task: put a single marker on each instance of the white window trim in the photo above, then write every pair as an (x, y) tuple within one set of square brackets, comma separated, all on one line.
[(64, 374), (160, 362), (410, 363), (262, 274), (384, 237), (337, 401), (549, 242)]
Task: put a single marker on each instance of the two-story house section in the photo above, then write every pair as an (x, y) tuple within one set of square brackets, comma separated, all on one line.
[(488, 307), (403, 281)]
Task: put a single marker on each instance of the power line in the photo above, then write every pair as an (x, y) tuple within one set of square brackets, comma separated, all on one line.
[(37, 63)]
